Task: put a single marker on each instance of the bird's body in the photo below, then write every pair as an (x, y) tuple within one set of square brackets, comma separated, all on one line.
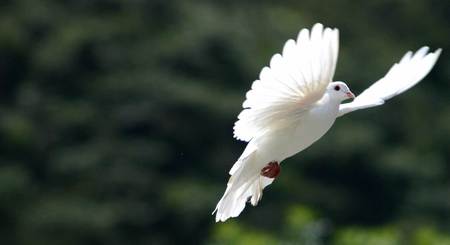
[(295, 103), (313, 123), (275, 145)]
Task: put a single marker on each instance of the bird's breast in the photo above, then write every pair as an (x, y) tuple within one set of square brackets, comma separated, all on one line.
[(311, 127), (287, 141)]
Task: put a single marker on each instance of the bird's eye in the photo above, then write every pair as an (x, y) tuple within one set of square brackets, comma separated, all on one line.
[(337, 88)]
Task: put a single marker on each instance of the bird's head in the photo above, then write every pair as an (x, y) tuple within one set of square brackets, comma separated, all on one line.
[(339, 91)]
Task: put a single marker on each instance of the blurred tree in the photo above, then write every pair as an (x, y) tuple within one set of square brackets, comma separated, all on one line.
[(116, 124)]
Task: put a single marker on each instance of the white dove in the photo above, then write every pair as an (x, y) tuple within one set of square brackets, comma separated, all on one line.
[(295, 102)]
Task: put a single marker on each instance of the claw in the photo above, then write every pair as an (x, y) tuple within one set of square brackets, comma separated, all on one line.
[(272, 170)]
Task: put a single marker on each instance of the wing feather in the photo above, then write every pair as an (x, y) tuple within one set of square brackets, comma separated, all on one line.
[(410, 70), (293, 82)]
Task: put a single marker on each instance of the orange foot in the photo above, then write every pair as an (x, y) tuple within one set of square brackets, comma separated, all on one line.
[(272, 170)]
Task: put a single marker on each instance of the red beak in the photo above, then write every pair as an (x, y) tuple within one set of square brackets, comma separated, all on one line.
[(350, 95)]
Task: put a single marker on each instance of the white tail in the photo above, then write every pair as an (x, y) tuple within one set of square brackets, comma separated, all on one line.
[(245, 182)]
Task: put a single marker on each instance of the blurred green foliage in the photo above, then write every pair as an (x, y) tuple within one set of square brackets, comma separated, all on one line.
[(116, 124)]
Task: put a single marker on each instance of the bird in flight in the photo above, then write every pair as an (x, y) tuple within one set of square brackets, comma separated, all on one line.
[(295, 102)]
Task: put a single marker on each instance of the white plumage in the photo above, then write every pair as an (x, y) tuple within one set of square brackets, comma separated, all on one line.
[(295, 80), (295, 102)]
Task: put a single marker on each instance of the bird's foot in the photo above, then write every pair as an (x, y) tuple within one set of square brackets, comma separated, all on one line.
[(272, 170)]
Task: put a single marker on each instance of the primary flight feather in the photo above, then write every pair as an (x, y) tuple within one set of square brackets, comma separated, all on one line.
[(295, 102)]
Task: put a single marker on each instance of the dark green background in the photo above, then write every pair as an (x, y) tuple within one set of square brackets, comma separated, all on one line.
[(116, 124)]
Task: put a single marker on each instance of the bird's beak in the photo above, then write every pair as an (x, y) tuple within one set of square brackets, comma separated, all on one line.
[(350, 95)]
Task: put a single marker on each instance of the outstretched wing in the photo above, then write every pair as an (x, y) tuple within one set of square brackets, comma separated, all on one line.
[(402, 76), (294, 81)]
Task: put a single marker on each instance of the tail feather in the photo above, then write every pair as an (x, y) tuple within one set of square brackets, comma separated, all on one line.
[(245, 183), (233, 201), (248, 152)]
